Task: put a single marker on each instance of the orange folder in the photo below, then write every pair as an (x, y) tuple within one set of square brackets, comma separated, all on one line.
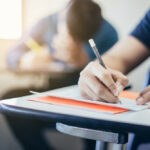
[(79, 104)]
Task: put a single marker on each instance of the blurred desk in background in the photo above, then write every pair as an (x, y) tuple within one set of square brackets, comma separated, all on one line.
[(19, 83)]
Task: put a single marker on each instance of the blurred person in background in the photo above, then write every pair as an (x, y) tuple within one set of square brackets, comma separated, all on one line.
[(66, 34)]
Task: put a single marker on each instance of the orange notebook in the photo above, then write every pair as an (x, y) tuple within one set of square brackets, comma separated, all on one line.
[(80, 104)]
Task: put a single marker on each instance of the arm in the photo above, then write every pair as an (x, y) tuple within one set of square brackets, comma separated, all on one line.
[(70, 52), (97, 83), (126, 54), (20, 48)]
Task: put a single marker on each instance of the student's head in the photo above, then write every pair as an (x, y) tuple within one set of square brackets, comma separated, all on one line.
[(82, 19)]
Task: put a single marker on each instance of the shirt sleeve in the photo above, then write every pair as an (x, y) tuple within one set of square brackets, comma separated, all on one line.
[(142, 30)]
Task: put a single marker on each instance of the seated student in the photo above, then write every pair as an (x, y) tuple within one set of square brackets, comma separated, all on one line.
[(66, 34), (98, 83)]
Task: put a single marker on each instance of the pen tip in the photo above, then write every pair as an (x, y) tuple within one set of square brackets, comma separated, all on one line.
[(92, 43)]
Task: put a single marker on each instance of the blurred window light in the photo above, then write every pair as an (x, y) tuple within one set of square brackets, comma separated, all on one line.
[(10, 19)]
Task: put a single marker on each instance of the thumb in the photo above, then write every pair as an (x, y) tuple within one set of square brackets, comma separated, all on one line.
[(121, 81)]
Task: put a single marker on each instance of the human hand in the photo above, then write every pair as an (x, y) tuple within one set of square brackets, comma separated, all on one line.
[(102, 84), (144, 96), (64, 48), (69, 51), (64, 44), (34, 61)]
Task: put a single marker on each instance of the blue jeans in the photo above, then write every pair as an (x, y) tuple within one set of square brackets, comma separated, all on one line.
[(139, 142)]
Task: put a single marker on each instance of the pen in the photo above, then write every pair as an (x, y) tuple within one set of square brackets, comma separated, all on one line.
[(95, 50), (33, 92), (38, 93), (32, 44), (93, 45)]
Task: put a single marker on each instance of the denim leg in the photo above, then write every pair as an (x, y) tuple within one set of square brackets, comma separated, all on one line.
[(138, 142)]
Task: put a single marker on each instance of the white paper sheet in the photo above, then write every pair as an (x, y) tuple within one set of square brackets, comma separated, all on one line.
[(75, 95)]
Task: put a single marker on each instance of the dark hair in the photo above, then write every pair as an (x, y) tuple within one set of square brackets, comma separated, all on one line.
[(83, 19)]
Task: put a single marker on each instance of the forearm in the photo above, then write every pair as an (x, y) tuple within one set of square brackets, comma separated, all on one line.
[(14, 55), (106, 84), (114, 62), (126, 55)]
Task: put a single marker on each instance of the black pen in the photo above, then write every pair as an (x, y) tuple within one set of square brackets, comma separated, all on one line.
[(95, 50)]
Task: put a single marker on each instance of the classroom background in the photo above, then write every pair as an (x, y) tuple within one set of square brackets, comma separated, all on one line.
[(123, 14)]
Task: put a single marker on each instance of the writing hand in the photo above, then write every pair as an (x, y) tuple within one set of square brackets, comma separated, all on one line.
[(144, 96), (98, 83)]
